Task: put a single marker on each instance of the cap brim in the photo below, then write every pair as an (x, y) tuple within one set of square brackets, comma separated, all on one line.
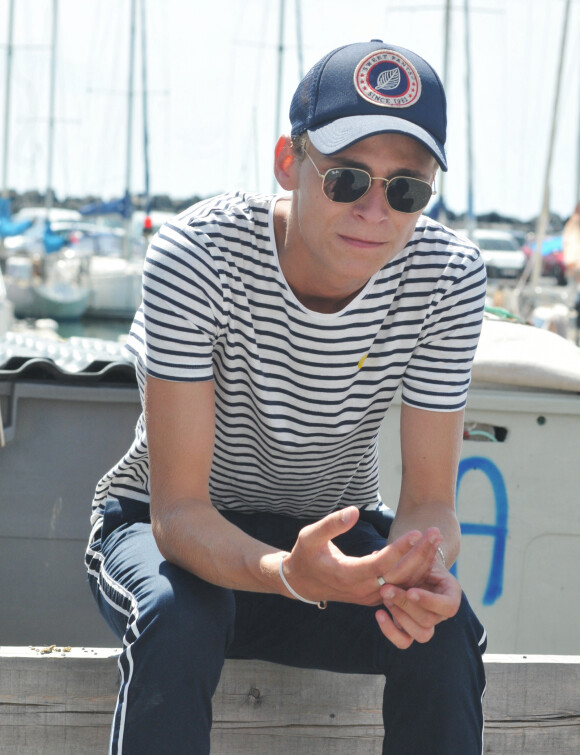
[(342, 133)]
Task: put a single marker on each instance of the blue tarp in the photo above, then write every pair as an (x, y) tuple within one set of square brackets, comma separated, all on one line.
[(53, 242), (121, 207), (7, 226), (10, 228)]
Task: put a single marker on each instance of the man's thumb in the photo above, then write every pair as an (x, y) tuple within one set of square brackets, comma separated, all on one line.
[(339, 521)]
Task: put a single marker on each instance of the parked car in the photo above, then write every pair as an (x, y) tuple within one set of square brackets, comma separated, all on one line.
[(502, 254), (553, 265)]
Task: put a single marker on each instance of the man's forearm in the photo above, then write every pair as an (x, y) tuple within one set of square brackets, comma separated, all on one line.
[(196, 537), (425, 515)]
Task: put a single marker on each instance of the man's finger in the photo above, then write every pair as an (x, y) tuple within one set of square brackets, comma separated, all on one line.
[(444, 604), (410, 626), (413, 563), (423, 604), (409, 602), (332, 525), (392, 632)]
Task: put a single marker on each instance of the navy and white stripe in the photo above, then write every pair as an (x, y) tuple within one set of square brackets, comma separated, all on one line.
[(297, 419)]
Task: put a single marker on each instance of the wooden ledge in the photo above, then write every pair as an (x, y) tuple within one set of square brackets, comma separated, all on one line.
[(56, 701)]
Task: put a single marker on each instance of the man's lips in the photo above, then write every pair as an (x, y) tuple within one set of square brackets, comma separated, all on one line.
[(361, 243)]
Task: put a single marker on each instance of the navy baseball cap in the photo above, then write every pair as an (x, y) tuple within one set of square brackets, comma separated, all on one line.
[(370, 88)]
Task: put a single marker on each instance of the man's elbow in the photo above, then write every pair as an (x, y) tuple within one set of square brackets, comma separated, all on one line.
[(163, 529)]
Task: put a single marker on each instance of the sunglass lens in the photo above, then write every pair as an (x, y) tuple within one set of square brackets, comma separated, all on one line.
[(345, 184), (408, 194)]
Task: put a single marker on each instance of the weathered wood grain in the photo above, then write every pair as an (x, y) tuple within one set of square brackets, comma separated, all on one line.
[(60, 703)]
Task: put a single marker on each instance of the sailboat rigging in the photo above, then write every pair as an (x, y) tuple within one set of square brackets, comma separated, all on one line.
[(533, 267)]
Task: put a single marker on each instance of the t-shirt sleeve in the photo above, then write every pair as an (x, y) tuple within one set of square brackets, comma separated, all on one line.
[(182, 310), (439, 372)]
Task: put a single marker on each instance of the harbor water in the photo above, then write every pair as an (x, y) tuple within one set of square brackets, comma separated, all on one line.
[(93, 327)]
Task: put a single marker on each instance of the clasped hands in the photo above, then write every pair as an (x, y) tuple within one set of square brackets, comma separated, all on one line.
[(418, 592)]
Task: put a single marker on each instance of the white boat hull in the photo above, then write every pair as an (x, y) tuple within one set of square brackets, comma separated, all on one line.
[(115, 287)]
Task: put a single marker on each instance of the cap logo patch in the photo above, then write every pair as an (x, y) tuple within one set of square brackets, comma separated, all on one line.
[(387, 79)]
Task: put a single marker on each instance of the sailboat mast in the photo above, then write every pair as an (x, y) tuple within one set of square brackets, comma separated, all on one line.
[(9, 52), (542, 224), (469, 135), (145, 106), (279, 83), (442, 215), (578, 156), (50, 147), (130, 98), (299, 45)]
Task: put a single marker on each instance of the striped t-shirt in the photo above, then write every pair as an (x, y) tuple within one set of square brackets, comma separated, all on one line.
[(300, 395)]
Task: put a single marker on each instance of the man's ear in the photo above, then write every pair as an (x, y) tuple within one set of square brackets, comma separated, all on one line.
[(285, 163)]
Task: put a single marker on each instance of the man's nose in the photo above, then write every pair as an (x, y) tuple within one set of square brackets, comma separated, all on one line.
[(373, 205)]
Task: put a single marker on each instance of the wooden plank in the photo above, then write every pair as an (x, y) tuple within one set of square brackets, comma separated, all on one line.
[(264, 708), (532, 704), (56, 703), (61, 702)]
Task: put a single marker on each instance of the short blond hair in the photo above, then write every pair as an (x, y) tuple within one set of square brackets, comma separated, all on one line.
[(299, 143)]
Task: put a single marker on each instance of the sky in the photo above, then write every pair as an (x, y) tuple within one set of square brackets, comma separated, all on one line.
[(212, 93)]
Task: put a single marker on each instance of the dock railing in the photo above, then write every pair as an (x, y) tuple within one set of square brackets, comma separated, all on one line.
[(59, 701)]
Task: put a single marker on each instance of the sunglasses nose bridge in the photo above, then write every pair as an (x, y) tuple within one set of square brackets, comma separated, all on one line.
[(373, 202), (381, 187), (385, 187)]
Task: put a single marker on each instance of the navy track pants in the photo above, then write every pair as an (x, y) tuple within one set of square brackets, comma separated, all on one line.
[(177, 629)]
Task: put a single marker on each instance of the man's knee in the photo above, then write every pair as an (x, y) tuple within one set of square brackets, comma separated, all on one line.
[(186, 609), (466, 626), (456, 646)]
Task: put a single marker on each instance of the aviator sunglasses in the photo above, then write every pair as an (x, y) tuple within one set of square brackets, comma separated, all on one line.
[(347, 185)]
